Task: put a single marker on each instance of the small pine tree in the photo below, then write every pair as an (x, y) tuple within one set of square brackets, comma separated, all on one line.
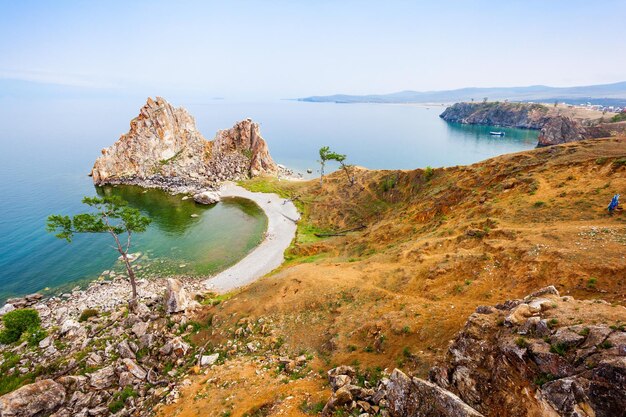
[(112, 215)]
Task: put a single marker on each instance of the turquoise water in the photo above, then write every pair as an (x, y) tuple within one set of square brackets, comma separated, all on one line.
[(48, 146)]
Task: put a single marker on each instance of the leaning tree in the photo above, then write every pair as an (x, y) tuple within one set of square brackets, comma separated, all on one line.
[(327, 155), (111, 215)]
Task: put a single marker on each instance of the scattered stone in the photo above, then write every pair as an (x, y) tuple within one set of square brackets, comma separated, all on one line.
[(103, 378), (137, 371), (207, 360)]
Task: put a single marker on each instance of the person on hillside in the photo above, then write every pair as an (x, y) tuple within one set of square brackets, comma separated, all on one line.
[(614, 204)]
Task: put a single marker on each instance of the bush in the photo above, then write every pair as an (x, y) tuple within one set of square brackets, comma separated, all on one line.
[(620, 117), (86, 314), (428, 173), (17, 322)]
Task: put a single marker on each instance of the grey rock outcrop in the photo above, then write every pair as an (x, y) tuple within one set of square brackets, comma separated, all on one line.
[(414, 397), (176, 298), (533, 365), (561, 129), (39, 398), (163, 149)]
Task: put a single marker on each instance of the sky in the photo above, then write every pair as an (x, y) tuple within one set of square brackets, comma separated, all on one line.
[(288, 49)]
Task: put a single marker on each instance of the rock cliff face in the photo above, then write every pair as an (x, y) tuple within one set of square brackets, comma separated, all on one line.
[(555, 129), (561, 129), (164, 149), (520, 115), (519, 359), (528, 358)]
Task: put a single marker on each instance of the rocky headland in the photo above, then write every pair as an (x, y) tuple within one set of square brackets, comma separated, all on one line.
[(556, 125), (163, 149)]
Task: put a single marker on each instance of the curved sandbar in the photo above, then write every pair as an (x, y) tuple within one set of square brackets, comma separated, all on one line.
[(269, 255)]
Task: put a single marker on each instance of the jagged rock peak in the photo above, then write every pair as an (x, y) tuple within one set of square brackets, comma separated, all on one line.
[(164, 149)]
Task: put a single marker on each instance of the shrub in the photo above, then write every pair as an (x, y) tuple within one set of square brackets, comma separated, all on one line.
[(428, 173), (521, 342), (17, 322), (619, 162), (543, 378), (86, 314), (559, 348), (119, 398), (591, 283), (539, 204), (620, 117)]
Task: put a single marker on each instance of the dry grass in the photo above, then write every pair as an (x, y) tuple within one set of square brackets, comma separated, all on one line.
[(434, 248)]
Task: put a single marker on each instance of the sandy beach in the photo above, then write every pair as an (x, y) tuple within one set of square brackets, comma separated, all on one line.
[(269, 255)]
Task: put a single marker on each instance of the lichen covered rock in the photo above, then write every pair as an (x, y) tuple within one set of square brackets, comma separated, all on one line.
[(39, 398)]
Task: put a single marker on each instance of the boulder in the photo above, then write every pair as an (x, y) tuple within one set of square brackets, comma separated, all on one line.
[(415, 397), (124, 349), (207, 197), (69, 325), (39, 398), (102, 378), (206, 360), (179, 347), (139, 328), (137, 371), (176, 297)]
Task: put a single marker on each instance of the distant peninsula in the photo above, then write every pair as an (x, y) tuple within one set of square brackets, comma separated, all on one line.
[(604, 94)]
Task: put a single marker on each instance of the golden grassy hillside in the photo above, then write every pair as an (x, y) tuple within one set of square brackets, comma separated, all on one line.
[(433, 245)]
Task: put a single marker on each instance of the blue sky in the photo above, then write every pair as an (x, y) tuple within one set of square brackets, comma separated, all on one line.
[(298, 48)]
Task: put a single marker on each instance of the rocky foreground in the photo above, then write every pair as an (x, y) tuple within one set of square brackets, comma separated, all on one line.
[(163, 149), (100, 359), (514, 359)]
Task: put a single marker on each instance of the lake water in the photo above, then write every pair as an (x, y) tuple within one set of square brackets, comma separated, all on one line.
[(48, 146)]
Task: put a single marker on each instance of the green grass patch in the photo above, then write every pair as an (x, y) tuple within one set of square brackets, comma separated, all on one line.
[(18, 322)]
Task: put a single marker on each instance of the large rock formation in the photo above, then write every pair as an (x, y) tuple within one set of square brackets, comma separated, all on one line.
[(520, 115), (164, 149), (561, 129)]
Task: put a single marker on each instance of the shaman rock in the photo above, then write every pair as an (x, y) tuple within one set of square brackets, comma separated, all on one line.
[(164, 149)]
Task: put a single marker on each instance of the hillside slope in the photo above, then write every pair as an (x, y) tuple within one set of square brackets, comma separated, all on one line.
[(431, 246)]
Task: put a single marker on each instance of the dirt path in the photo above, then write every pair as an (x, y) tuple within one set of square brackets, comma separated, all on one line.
[(281, 229)]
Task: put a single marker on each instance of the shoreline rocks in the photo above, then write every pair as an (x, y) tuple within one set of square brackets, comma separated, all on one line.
[(85, 362)]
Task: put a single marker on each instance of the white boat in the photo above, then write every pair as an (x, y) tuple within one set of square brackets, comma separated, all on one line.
[(496, 133)]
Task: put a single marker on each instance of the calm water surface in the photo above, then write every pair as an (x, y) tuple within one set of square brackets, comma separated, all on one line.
[(48, 146)]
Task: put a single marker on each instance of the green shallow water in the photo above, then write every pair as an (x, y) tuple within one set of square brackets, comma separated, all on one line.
[(179, 243)]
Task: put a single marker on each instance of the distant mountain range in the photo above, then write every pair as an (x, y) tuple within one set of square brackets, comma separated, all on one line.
[(606, 94)]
